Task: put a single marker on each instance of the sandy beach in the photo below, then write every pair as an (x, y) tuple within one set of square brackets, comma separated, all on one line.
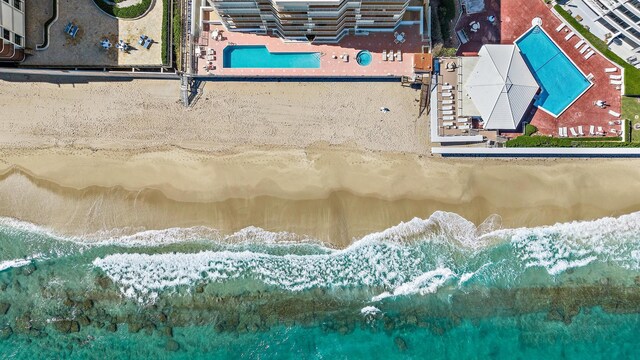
[(316, 159)]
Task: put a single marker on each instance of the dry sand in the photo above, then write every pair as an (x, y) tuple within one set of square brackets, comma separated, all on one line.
[(316, 159)]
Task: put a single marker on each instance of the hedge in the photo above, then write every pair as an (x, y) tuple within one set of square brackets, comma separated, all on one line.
[(548, 141), (129, 12), (631, 74), (165, 24)]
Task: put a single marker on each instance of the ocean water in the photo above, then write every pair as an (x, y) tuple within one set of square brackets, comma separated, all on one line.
[(437, 288)]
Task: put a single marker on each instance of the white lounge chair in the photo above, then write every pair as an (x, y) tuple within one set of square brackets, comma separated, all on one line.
[(447, 94), (560, 132), (384, 55), (447, 123), (390, 55), (447, 87), (447, 102), (399, 55), (463, 120), (614, 131), (573, 132), (448, 107), (560, 27), (615, 82), (448, 112), (615, 77), (589, 54), (580, 43), (592, 130), (580, 130), (464, 127), (600, 130), (613, 113), (584, 49), (610, 70), (449, 118), (569, 36), (564, 131)]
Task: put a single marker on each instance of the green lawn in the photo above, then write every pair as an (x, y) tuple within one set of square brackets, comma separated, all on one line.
[(631, 74), (631, 111)]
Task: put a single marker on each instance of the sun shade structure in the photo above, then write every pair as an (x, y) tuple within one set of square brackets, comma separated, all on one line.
[(501, 86)]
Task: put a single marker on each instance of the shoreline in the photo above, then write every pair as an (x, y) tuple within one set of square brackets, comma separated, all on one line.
[(332, 194)]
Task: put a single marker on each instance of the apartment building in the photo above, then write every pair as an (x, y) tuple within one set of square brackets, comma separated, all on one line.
[(621, 18), (310, 20), (12, 30)]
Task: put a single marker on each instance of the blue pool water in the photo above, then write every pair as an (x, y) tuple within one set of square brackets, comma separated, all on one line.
[(559, 78), (258, 56), (364, 58)]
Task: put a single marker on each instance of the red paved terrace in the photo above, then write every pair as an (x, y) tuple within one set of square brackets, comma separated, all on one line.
[(515, 17), (331, 63)]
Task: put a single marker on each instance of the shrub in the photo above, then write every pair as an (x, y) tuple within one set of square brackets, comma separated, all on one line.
[(129, 12), (548, 141), (177, 36), (530, 130), (165, 24)]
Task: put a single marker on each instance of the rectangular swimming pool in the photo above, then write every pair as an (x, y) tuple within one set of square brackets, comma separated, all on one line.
[(258, 56), (561, 81)]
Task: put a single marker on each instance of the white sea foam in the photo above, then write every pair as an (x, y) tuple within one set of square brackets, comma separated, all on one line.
[(395, 259), (426, 283), (7, 264), (369, 311)]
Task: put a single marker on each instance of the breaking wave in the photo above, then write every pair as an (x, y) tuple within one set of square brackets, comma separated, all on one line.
[(422, 256)]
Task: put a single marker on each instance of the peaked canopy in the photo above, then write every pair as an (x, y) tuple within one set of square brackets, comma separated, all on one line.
[(501, 86)]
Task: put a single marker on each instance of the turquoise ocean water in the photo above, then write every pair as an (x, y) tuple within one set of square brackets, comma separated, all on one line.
[(438, 288)]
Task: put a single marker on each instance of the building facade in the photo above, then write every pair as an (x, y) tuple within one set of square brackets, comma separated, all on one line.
[(310, 20), (620, 17), (12, 30)]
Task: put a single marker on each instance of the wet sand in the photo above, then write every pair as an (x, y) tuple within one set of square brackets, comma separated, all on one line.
[(334, 195)]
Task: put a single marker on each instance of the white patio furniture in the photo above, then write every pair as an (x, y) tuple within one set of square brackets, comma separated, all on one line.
[(613, 113), (610, 70), (560, 27), (447, 102), (615, 82), (615, 77), (384, 55), (589, 54), (580, 130), (447, 123), (592, 130), (569, 36), (580, 43), (398, 55), (584, 49), (390, 55), (448, 112), (448, 117)]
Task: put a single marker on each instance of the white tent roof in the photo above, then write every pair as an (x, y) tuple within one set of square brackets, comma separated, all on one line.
[(501, 86)]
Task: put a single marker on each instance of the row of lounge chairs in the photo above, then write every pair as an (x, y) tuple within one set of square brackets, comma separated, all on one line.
[(586, 51), (593, 131), (391, 56)]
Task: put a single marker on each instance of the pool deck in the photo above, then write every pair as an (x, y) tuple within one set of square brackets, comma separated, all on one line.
[(516, 16), (350, 45)]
